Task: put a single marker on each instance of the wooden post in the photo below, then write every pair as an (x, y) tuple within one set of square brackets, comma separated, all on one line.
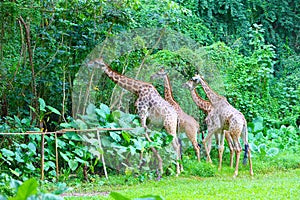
[(102, 154), (56, 158), (42, 156)]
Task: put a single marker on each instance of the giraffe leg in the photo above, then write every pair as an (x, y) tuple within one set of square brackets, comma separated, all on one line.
[(221, 149), (143, 117), (192, 135), (171, 129), (206, 141), (250, 161), (238, 150), (177, 150), (230, 144), (209, 147)]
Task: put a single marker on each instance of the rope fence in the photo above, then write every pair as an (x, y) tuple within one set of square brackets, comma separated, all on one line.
[(97, 130)]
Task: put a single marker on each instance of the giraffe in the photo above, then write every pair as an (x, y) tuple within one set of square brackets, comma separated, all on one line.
[(149, 104), (224, 114), (186, 122), (207, 107)]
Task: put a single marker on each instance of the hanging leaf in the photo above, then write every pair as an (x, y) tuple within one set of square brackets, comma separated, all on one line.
[(65, 157), (42, 104), (54, 110), (73, 164)]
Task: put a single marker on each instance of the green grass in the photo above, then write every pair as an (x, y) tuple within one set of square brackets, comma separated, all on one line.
[(274, 178), (280, 185)]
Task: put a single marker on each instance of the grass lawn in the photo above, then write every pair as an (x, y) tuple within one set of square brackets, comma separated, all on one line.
[(271, 185)]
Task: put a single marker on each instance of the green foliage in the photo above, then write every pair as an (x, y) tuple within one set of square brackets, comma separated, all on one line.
[(202, 169), (26, 190), (270, 141)]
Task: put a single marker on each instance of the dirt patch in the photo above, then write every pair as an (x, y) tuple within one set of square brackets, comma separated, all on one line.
[(89, 194)]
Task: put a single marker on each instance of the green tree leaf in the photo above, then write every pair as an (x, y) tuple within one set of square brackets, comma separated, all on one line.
[(27, 189), (73, 164), (42, 104), (54, 110)]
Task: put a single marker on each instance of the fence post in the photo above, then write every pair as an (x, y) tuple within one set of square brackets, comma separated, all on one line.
[(56, 158), (102, 154), (42, 156)]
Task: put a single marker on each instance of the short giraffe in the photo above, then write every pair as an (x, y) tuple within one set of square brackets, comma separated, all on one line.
[(224, 114), (186, 122), (207, 107), (149, 104)]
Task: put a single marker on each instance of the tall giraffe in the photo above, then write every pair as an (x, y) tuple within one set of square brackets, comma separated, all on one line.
[(207, 107), (224, 114), (186, 122), (149, 104)]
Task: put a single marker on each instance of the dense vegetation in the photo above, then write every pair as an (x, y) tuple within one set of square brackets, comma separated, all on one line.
[(248, 50)]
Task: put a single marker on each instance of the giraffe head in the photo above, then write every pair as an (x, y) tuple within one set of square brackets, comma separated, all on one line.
[(189, 85), (160, 74), (97, 63)]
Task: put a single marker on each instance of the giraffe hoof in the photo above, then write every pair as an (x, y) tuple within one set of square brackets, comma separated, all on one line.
[(158, 178)]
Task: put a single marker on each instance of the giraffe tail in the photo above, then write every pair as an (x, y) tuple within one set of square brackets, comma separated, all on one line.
[(245, 139), (246, 154)]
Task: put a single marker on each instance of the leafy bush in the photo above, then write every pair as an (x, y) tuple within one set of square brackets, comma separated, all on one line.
[(27, 190), (202, 169), (269, 142)]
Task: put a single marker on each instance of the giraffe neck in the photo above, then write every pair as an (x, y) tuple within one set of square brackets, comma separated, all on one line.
[(168, 93), (129, 84), (201, 103), (213, 97)]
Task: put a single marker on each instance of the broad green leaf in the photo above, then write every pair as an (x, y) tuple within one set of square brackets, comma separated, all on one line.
[(7, 153), (73, 164), (101, 113), (31, 147), (116, 115), (18, 158), (118, 196), (79, 152), (115, 136), (42, 104), (30, 166), (15, 184), (105, 108), (132, 150), (81, 124), (126, 136), (90, 109), (54, 110), (80, 160), (27, 189), (272, 152), (258, 124), (65, 157), (48, 165)]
